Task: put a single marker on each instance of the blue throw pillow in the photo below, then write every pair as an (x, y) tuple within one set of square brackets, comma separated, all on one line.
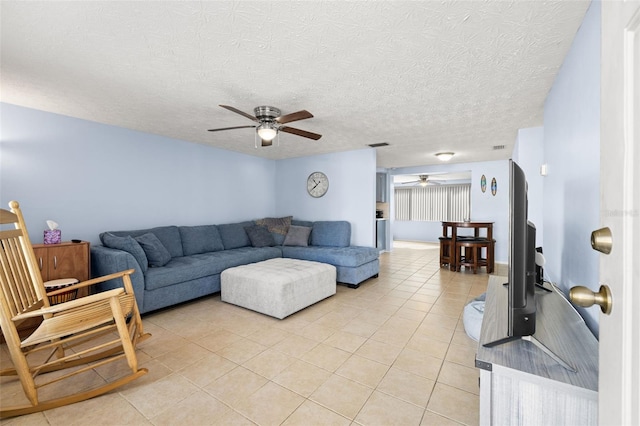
[(128, 244), (260, 236), (157, 254)]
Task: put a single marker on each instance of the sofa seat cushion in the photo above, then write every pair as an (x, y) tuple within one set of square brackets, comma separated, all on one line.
[(352, 256), (186, 268)]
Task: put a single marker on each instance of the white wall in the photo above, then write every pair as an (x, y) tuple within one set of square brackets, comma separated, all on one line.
[(484, 205), (351, 195), (91, 178), (572, 151)]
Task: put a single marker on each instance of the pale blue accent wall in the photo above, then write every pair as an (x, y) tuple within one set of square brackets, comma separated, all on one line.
[(91, 177), (484, 205), (351, 195), (572, 151), (529, 154)]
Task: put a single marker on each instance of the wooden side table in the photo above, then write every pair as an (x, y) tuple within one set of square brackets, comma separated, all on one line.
[(64, 260), (56, 261)]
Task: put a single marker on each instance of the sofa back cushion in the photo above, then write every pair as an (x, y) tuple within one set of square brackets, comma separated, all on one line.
[(333, 233), (301, 223), (234, 236), (200, 239), (169, 236)]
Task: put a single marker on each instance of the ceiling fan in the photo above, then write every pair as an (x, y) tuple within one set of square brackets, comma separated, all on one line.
[(423, 180), (270, 121)]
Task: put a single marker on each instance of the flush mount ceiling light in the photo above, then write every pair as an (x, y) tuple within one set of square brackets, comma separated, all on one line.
[(267, 131), (444, 156)]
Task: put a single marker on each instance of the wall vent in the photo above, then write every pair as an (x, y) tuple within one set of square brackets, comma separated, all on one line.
[(378, 145), (498, 147)]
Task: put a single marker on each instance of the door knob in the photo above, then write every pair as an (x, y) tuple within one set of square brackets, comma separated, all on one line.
[(585, 297), (601, 240)]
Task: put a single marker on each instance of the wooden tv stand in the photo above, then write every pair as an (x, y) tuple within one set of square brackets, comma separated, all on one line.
[(519, 383)]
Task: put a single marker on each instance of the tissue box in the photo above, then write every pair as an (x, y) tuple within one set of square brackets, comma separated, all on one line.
[(52, 236)]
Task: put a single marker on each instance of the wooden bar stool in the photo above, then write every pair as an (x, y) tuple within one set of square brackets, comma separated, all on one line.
[(469, 254), (487, 260), (447, 255)]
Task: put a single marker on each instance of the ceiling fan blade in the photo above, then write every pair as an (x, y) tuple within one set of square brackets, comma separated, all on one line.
[(231, 128), (302, 133), (294, 116), (267, 143), (237, 111)]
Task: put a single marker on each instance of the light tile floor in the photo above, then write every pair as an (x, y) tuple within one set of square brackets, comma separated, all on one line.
[(393, 352)]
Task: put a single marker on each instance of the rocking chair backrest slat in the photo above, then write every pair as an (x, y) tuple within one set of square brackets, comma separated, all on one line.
[(17, 286), (21, 286)]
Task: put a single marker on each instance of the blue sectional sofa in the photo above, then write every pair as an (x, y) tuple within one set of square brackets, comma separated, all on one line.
[(174, 264)]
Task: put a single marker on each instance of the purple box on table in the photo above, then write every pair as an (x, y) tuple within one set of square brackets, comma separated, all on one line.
[(52, 236)]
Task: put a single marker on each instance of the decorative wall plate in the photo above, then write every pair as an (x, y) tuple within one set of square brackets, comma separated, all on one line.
[(483, 183), (494, 186)]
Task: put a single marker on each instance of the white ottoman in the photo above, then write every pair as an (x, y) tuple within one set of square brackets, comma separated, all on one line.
[(278, 287)]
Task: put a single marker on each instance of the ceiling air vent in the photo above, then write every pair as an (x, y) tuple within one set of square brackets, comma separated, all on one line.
[(497, 147), (378, 145)]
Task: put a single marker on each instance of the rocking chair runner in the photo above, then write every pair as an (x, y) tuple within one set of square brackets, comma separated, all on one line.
[(80, 334)]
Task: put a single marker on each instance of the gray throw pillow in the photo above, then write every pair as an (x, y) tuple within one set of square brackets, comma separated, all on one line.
[(156, 252), (260, 236), (128, 244), (297, 236)]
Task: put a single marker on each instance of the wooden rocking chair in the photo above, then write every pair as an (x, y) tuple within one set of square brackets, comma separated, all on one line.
[(74, 337)]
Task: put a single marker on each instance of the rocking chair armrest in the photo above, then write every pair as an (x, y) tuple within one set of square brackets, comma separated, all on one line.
[(91, 282), (70, 304)]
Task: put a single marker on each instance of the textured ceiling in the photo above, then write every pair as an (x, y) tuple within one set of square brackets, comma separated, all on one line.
[(424, 77)]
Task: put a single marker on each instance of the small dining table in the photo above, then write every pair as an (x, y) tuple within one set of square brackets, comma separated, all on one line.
[(476, 226)]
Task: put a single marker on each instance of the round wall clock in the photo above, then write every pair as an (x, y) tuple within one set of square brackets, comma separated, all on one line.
[(317, 184)]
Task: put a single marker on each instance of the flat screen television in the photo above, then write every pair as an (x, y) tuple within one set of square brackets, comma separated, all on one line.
[(522, 257), (522, 267)]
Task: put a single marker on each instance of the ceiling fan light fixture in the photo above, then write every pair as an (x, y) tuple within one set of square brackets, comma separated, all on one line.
[(267, 131), (445, 156)]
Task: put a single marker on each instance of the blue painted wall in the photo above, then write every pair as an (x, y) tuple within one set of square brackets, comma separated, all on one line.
[(351, 195), (91, 177), (572, 151)]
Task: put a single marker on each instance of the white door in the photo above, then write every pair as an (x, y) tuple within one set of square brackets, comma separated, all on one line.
[(619, 387)]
